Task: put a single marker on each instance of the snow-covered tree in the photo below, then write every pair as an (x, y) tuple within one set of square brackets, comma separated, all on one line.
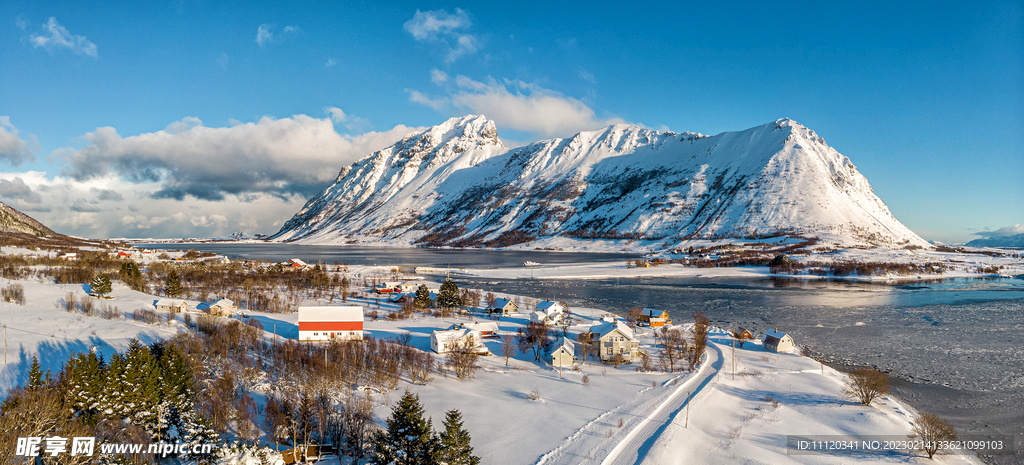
[(173, 287), (422, 299), (35, 374), (101, 285), (448, 296), (409, 438), (454, 442)]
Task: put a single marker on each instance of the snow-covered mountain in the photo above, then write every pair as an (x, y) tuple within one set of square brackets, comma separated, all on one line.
[(1016, 240), (456, 184)]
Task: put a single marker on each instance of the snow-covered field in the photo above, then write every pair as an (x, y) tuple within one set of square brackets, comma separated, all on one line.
[(620, 411)]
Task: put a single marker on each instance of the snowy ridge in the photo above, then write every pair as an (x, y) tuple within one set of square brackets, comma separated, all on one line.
[(456, 185)]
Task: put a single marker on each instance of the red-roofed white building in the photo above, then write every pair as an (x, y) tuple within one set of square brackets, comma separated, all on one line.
[(326, 323)]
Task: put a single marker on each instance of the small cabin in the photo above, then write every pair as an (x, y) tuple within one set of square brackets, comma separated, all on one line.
[(742, 333), (653, 317), (504, 307), (565, 354), (485, 328), (171, 305), (776, 341), (443, 341)]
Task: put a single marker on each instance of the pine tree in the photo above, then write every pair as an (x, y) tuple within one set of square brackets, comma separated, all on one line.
[(35, 374), (409, 438), (132, 277), (453, 443), (173, 287), (101, 285), (422, 299), (448, 296)]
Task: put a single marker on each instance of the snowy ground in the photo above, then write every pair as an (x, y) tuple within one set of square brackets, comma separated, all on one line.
[(729, 421)]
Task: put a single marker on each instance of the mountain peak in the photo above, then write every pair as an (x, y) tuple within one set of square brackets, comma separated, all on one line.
[(469, 129)]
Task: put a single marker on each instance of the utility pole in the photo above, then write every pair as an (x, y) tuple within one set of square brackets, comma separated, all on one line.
[(736, 325), (686, 421)]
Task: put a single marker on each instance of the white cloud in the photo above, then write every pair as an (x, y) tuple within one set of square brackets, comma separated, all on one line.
[(13, 149), (528, 107), (1003, 232), (55, 36), (21, 22), (421, 98), (439, 26), (438, 77), (265, 33), (337, 115), (330, 63), (277, 157), (587, 76)]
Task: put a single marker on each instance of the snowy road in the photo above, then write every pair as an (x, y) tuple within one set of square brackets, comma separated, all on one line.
[(634, 447)]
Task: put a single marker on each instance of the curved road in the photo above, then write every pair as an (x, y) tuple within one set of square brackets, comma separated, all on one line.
[(638, 442)]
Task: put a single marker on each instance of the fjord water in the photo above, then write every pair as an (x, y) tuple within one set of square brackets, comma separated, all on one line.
[(952, 346), (391, 256)]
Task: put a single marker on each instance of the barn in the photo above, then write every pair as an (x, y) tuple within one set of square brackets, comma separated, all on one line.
[(776, 341), (326, 323)]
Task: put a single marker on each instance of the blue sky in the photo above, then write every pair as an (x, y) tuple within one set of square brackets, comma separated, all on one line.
[(202, 118)]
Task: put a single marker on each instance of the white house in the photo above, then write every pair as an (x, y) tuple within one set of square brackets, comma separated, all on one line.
[(485, 328), (443, 341), (171, 305), (549, 313), (504, 307), (565, 354), (326, 323), (776, 341), (222, 307), (615, 341)]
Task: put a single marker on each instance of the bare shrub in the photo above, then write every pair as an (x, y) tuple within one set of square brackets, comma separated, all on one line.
[(673, 348), (701, 327), (929, 432), (108, 313), (15, 293), (585, 380), (621, 423), (89, 306), (535, 395), (145, 315), (462, 359), (70, 302), (866, 384)]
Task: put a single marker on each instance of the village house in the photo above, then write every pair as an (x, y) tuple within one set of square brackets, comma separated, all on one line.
[(565, 354), (443, 341), (327, 323), (171, 305), (654, 318), (221, 307), (297, 264), (742, 333), (615, 340), (503, 307), (776, 341), (548, 312), (71, 256), (485, 328)]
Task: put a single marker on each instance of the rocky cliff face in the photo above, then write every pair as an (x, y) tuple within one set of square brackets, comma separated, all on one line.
[(455, 184), (14, 221)]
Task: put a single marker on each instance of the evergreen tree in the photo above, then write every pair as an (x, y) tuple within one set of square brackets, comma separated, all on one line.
[(173, 287), (132, 277), (409, 438), (422, 299), (35, 374), (86, 376), (101, 285), (453, 443), (448, 296)]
